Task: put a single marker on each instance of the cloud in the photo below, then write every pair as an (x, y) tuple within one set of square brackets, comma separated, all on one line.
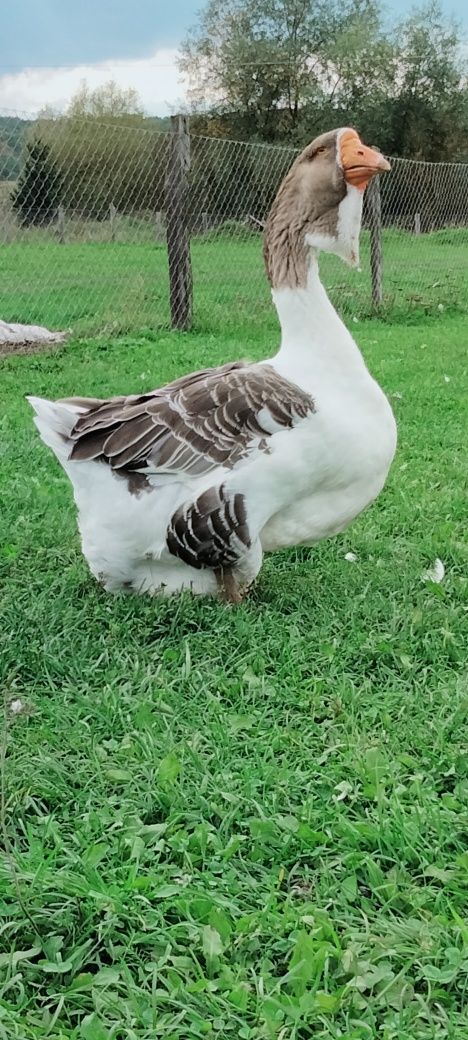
[(156, 79)]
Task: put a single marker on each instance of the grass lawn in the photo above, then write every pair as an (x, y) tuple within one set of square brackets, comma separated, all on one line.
[(247, 823), (91, 286)]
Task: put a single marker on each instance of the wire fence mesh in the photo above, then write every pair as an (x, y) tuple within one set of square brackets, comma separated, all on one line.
[(88, 208)]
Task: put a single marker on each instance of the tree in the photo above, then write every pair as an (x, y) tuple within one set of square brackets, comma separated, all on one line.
[(362, 75), (260, 58), (430, 112), (13, 131), (40, 185), (104, 153), (107, 102), (288, 69)]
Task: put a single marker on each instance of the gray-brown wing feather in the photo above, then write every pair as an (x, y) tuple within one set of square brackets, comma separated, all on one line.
[(210, 532), (201, 421)]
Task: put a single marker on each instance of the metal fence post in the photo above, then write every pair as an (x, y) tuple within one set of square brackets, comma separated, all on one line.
[(178, 233), (375, 218)]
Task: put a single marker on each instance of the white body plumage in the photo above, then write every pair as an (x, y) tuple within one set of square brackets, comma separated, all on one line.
[(319, 476)]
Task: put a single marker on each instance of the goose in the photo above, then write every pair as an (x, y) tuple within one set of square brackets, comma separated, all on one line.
[(188, 485)]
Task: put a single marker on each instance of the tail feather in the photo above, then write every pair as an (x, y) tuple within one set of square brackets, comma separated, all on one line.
[(55, 421)]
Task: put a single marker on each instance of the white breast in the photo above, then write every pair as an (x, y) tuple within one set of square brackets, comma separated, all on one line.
[(351, 445)]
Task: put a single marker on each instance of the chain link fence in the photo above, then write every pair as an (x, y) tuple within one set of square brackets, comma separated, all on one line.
[(106, 227)]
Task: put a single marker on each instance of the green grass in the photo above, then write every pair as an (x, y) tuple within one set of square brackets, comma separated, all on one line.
[(246, 823), (95, 286)]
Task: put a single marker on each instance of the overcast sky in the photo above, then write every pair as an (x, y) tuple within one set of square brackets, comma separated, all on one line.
[(48, 46)]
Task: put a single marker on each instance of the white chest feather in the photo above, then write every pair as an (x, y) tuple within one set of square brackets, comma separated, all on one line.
[(347, 447)]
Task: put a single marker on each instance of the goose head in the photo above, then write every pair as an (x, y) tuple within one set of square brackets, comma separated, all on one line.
[(319, 206)]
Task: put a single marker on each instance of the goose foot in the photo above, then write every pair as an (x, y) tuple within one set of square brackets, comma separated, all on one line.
[(228, 586)]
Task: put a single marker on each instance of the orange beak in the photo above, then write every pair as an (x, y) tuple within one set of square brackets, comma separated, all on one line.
[(359, 162)]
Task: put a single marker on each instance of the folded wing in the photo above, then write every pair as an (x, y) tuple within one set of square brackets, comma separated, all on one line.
[(215, 417)]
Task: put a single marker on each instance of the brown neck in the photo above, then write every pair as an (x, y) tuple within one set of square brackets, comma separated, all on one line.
[(305, 204), (285, 256), (284, 250)]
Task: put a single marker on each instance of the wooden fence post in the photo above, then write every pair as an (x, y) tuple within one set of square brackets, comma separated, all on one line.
[(112, 216), (178, 232), (159, 226), (61, 223), (375, 217)]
